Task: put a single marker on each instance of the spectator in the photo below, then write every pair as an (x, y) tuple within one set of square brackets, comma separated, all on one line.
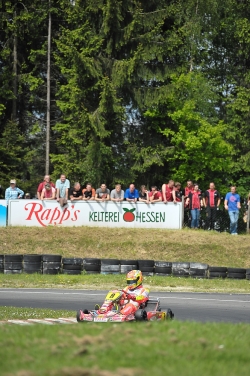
[(117, 194), (167, 192), (48, 192), (42, 185), (232, 204), (143, 194), (194, 200), (88, 193), (177, 193), (76, 192), (103, 193), (211, 202), (12, 193), (27, 196), (154, 195), (62, 190), (131, 194), (189, 188)]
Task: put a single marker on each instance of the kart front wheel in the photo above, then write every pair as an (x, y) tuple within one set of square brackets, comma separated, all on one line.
[(141, 315)]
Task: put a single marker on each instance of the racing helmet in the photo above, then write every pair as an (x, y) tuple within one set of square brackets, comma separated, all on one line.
[(134, 279)]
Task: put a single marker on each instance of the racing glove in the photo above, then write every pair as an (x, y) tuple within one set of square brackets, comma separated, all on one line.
[(131, 297)]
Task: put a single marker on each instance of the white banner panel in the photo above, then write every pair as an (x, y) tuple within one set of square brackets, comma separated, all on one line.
[(93, 213), (3, 213)]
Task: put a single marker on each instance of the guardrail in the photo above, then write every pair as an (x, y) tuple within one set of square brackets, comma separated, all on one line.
[(56, 264)]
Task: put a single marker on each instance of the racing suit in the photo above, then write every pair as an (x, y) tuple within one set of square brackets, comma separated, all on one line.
[(134, 299)]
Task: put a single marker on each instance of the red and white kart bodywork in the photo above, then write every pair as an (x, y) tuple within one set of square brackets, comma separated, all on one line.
[(149, 311)]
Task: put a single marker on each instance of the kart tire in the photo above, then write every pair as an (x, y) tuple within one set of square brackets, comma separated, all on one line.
[(1, 270), (180, 273), (32, 266), (163, 264), (32, 258), (91, 261), (147, 269), (141, 315), (51, 258), (165, 270), (13, 258), (51, 265), (110, 262), (72, 261), (248, 277), (72, 267), (51, 271), (197, 272), (181, 265), (71, 272), (1, 259), (198, 265), (13, 271), (236, 270), (110, 269), (78, 315), (146, 264), (236, 275), (163, 274), (33, 271), (247, 271), (218, 269), (149, 274), (170, 314), (129, 262), (213, 275), (91, 272), (92, 268), (13, 265), (127, 268)]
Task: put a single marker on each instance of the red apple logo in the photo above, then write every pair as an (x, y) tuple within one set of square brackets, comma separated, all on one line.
[(128, 216)]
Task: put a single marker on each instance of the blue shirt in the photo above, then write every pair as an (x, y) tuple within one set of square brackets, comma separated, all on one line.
[(13, 193), (232, 200), (131, 195), (62, 186)]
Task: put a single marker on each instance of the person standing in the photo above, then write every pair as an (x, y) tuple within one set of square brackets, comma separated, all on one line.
[(62, 190), (13, 193), (194, 200), (167, 192), (41, 186), (177, 192), (211, 202), (232, 204)]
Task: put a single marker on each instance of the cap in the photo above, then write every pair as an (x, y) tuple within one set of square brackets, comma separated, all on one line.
[(13, 181), (47, 185)]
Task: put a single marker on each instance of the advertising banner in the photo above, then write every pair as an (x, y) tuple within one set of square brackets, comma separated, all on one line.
[(3, 213), (93, 213)]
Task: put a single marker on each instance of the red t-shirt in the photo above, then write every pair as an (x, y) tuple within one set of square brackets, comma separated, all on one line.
[(168, 193), (156, 196), (41, 186), (48, 192)]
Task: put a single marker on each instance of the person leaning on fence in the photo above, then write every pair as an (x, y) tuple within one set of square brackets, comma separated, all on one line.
[(131, 194), (13, 193), (88, 193), (117, 194), (62, 190), (232, 204), (154, 195), (103, 193), (143, 194), (177, 193), (42, 185), (167, 192), (48, 192), (76, 192)]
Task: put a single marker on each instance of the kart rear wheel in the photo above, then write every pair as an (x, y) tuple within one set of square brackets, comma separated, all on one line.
[(78, 315), (170, 314), (141, 315)]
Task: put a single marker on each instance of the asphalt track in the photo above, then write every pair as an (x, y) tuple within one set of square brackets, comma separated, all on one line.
[(200, 307)]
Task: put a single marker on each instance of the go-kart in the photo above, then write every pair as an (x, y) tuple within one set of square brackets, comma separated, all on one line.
[(148, 311)]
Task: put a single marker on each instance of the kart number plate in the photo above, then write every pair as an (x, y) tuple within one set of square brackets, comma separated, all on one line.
[(101, 319)]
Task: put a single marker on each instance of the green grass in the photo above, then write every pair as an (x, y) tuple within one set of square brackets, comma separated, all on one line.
[(16, 313), (107, 282), (169, 245), (168, 348)]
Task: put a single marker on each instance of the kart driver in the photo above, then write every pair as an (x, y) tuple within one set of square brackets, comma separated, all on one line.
[(134, 294)]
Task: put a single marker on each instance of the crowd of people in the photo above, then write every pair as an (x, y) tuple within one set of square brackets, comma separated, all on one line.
[(191, 196)]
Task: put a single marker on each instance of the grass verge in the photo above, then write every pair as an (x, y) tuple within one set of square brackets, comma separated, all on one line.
[(14, 313), (168, 348), (217, 249), (107, 282)]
